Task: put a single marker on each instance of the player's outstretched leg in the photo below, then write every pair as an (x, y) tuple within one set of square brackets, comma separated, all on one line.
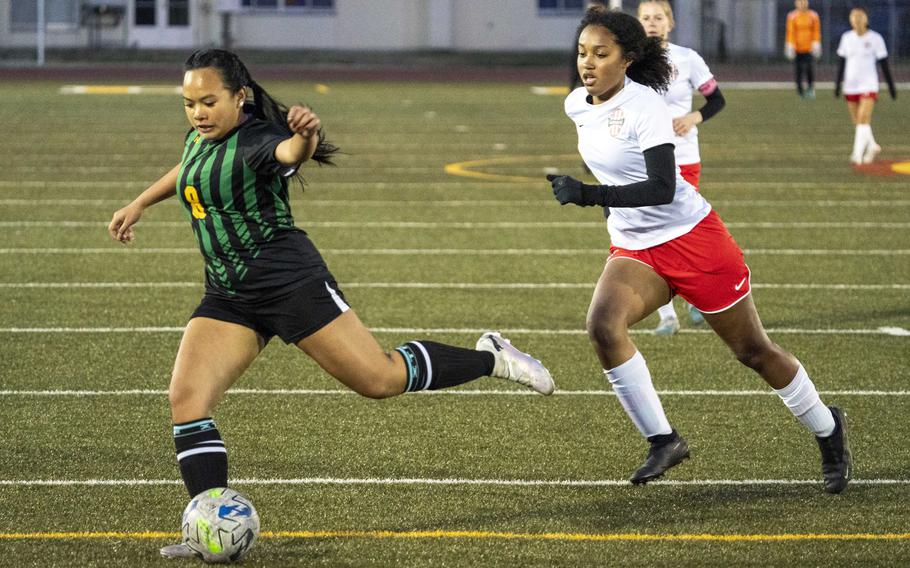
[(837, 461), (515, 365), (666, 451)]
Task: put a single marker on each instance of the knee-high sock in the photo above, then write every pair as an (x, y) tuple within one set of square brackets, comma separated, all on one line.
[(201, 454), (803, 401), (433, 366), (667, 311), (632, 384), (860, 141), (868, 134)]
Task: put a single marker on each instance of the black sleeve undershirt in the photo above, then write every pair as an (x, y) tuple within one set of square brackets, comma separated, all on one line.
[(838, 81), (886, 71), (658, 189), (714, 103)]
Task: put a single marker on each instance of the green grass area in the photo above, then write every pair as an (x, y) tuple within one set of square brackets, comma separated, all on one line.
[(775, 167)]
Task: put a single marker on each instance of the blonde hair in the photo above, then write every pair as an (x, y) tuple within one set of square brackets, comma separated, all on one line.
[(665, 6)]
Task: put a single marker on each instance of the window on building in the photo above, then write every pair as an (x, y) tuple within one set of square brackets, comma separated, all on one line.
[(145, 13), (178, 13), (561, 6), (289, 4), (57, 13)]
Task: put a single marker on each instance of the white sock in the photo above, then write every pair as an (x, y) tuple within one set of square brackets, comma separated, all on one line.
[(667, 311), (631, 382), (867, 132), (860, 141), (802, 399)]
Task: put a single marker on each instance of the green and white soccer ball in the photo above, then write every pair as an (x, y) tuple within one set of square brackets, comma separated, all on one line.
[(220, 525)]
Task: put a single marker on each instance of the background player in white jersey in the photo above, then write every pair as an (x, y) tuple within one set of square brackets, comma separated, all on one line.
[(666, 240), (858, 51), (689, 72)]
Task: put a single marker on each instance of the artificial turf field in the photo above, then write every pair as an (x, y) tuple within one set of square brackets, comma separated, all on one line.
[(486, 475)]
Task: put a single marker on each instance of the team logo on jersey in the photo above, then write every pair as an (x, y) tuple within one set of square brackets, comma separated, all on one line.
[(615, 120), (674, 72)]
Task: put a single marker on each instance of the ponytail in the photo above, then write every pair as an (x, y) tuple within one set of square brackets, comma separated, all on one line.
[(652, 67), (235, 77), (267, 108)]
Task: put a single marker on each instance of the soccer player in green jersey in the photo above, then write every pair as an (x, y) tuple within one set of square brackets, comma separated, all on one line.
[(264, 277)]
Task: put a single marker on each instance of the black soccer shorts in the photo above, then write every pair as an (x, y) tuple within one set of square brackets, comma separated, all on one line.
[(291, 316)]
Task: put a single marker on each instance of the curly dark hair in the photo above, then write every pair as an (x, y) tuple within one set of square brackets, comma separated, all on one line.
[(235, 77), (649, 63)]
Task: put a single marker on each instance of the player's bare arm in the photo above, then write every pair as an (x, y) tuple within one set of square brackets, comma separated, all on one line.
[(121, 227), (305, 124), (683, 124)]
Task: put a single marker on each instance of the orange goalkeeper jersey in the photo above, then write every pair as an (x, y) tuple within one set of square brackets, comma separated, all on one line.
[(803, 29)]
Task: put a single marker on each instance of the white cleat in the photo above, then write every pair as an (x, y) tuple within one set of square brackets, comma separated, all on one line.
[(516, 365), (667, 326), (177, 551), (872, 150)]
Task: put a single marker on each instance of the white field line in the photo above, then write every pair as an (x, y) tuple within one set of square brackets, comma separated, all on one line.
[(455, 251), (891, 331), (441, 285), (447, 392), (453, 182), (785, 85), (731, 85), (455, 203), (436, 482), (474, 225)]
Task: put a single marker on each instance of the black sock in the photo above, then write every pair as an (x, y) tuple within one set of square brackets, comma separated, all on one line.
[(434, 366), (201, 454), (663, 439)]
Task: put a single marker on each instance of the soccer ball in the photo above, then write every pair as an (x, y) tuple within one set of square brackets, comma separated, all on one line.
[(220, 525)]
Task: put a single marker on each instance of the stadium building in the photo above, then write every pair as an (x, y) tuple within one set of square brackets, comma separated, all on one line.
[(716, 28)]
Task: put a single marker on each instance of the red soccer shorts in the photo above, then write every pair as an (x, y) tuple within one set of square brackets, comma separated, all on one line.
[(691, 173), (705, 266), (857, 97)]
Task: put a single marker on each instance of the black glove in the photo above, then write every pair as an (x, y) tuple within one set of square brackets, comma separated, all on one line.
[(567, 189)]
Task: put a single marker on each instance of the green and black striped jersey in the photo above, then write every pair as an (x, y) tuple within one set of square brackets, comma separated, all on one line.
[(236, 196)]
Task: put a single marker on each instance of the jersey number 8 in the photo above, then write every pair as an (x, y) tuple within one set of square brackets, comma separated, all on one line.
[(193, 198)]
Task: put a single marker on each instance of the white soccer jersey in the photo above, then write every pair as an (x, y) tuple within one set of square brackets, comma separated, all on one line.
[(611, 139), (689, 72), (862, 52)]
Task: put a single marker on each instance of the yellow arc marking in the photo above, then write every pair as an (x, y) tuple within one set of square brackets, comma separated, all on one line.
[(901, 167), (571, 537), (463, 169)]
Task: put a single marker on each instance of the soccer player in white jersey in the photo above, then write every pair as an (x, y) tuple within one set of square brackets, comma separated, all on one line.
[(689, 72), (858, 51), (666, 240)]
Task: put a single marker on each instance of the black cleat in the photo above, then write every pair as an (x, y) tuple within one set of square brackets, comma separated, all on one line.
[(837, 461), (666, 452)]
